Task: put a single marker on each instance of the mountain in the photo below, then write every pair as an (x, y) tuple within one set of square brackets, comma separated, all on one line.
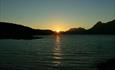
[(75, 31), (16, 31), (98, 28), (103, 28), (43, 32)]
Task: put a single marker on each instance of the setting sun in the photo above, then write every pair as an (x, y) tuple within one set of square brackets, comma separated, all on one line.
[(57, 31)]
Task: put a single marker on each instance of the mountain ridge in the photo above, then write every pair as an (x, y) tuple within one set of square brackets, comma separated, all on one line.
[(12, 30), (98, 28)]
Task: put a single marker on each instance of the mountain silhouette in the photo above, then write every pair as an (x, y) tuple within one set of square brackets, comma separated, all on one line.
[(79, 30), (16, 31), (103, 28), (98, 28)]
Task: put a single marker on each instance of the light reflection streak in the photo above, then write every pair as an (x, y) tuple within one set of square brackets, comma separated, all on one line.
[(57, 51)]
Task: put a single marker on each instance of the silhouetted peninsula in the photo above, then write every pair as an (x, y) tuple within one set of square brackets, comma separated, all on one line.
[(99, 28), (16, 31)]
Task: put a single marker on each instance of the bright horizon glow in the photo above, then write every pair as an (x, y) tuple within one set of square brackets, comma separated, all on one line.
[(57, 31), (57, 14)]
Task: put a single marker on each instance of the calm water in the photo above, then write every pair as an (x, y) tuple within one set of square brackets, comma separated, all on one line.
[(67, 52)]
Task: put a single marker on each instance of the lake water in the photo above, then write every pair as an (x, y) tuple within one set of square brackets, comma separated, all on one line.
[(60, 52)]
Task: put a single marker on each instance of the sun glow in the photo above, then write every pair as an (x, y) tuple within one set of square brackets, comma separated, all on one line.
[(58, 25), (58, 31)]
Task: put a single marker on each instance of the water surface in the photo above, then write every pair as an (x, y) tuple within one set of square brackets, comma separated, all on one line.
[(59, 52)]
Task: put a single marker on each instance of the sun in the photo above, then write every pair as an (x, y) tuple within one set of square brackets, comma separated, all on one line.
[(58, 31)]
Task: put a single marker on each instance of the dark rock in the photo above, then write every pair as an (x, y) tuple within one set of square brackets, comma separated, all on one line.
[(107, 65)]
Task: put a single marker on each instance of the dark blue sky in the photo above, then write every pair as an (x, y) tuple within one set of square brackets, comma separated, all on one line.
[(57, 14)]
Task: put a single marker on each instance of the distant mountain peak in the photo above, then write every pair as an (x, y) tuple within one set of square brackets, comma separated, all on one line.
[(99, 22), (98, 28)]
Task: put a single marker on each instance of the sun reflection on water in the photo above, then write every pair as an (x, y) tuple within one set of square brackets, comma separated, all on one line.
[(57, 51)]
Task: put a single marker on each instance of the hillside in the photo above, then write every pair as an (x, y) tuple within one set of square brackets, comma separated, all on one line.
[(16, 31), (98, 28), (103, 28)]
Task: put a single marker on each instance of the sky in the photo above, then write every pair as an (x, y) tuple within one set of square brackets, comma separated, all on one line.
[(57, 14)]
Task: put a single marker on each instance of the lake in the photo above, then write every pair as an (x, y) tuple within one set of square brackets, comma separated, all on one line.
[(59, 52)]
